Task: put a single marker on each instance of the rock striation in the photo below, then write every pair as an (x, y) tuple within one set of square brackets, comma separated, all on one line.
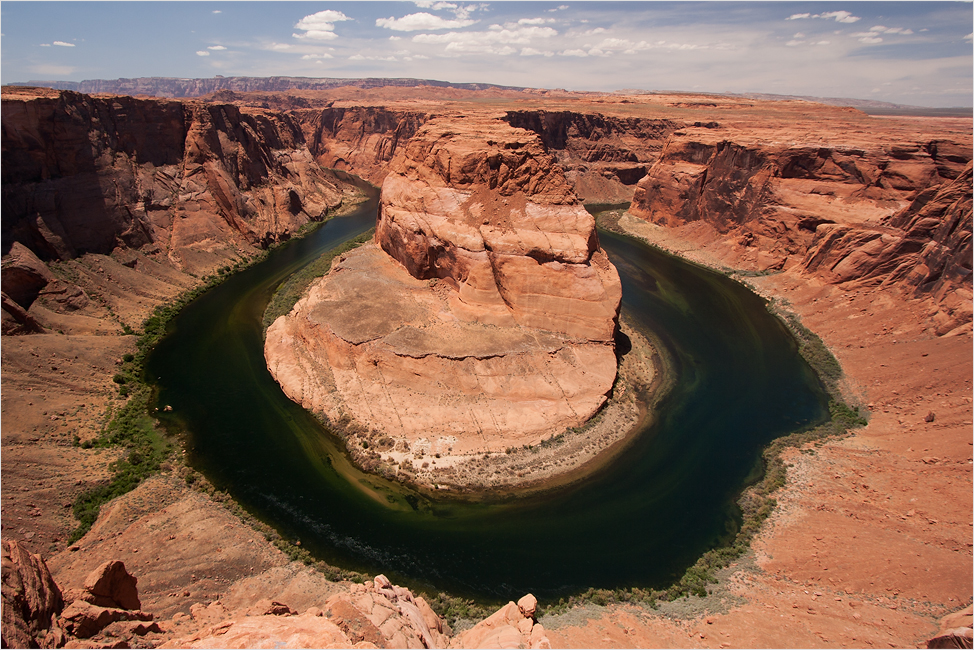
[(199, 184), (483, 317), (867, 213)]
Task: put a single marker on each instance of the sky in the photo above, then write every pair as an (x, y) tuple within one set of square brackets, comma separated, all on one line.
[(917, 53)]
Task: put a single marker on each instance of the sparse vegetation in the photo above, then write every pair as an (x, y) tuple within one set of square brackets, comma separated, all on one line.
[(291, 290), (132, 428)]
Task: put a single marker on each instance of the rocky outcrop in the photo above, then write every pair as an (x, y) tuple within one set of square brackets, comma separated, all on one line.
[(198, 184), (31, 599), (512, 626), (500, 224), (955, 630), (484, 318)]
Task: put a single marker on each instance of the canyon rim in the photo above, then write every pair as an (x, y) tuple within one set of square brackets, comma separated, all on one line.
[(484, 303)]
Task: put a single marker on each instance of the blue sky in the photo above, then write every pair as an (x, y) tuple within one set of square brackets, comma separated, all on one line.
[(907, 52)]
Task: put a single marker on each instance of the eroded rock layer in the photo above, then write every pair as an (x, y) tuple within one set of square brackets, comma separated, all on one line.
[(197, 184), (482, 318)]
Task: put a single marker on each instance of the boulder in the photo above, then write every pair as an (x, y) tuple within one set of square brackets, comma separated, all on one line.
[(84, 620), (31, 599), (110, 585), (955, 630)]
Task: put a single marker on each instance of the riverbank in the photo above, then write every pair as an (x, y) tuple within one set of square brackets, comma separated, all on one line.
[(555, 461), (869, 544)]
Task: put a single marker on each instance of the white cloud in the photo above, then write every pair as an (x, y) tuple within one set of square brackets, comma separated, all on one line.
[(558, 8), (280, 46), (320, 26), (202, 53), (574, 53), (395, 38), (420, 21), (63, 44), (535, 21), (793, 43), (317, 56), (429, 4), (45, 45), (880, 29), (610, 45), (839, 16), (495, 35), (217, 11), (870, 40), (822, 42), (52, 69), (798, 35), (360, 57), (317, 35), (530, 51), (216, 47), (970, 37)]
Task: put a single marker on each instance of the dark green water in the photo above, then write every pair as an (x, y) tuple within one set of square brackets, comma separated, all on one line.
[(641, 521)]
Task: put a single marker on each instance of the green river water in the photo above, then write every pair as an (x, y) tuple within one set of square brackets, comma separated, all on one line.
[(738, 382)]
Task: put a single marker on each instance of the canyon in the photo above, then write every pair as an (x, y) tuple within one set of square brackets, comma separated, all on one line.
[(859, 225)]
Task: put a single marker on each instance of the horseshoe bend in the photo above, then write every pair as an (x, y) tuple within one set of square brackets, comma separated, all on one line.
[(477, 343), (481, 320)]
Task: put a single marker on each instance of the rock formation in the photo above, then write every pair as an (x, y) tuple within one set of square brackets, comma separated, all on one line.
[(870, 213), (512, 626), (361, 140), (603, 156), (200, 184), (31, 599), (483, 317), (826, 195), (955, 630)]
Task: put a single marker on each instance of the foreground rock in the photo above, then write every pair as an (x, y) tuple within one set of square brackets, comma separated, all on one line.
[(31, 599), (484, 317), (377, 614)]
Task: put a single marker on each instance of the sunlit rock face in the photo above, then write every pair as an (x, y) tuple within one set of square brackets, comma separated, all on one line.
[(482, 317)]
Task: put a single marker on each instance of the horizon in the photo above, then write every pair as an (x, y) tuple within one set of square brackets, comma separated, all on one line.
[(910, 53)]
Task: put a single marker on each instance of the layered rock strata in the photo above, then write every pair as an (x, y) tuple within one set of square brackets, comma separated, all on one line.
[(482, 318), (893, 213), (198, 184)]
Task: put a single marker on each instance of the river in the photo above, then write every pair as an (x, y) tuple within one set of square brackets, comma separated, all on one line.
[(640, 521)]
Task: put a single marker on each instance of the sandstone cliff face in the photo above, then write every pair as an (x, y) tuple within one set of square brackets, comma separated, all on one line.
[(501, 224), (361, 140), (202, 184), (925, 249), (484, 318), (869, 213), (603, 156)]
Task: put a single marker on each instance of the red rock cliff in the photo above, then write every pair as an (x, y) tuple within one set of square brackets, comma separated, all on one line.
[(483, 206), (203, 183)]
